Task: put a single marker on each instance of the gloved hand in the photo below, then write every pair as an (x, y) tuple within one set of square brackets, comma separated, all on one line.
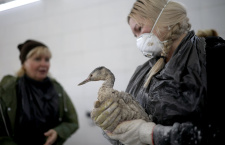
[(106, 114), (134, 132)]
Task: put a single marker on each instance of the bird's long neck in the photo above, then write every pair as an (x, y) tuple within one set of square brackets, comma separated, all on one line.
[(109, 81)]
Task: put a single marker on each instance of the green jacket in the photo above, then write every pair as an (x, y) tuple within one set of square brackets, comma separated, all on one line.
[(8, 105)]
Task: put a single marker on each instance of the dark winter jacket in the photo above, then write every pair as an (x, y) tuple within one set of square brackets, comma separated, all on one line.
[(68, 121), (185, 98), (177, 93)]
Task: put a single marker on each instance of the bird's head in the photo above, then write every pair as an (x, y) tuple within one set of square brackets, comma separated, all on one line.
[(100, 73)]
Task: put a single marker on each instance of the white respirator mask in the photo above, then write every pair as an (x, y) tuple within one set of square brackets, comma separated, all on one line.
[(149, 44)]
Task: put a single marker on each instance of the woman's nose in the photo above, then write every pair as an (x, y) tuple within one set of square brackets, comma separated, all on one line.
[(44, 62)]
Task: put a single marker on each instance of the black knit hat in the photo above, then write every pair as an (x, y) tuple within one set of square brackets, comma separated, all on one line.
[(26, 47)]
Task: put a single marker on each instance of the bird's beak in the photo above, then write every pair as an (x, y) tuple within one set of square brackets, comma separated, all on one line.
[(85, 81)]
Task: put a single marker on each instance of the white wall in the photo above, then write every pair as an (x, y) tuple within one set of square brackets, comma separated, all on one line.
[(83, 35)]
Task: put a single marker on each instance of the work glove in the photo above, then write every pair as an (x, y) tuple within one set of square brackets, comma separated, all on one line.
[(134, 132), (116, 108), (106, 114)]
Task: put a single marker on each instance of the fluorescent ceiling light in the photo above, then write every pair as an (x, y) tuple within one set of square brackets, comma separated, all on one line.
[(15, 3)]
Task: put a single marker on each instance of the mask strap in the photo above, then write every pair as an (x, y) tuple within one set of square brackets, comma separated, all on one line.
[(159, 15)]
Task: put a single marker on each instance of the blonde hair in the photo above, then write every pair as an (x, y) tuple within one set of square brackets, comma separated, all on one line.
[(206, 33), (173, 21), (40, 50)]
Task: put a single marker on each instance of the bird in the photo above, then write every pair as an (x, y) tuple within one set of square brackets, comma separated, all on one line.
[(131, 109)]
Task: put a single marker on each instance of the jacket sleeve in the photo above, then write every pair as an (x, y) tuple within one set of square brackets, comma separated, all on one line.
[(178, 134), (5, 138), (69, 123)]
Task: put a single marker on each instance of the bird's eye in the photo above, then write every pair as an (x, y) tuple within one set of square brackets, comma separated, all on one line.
[(91, 75)]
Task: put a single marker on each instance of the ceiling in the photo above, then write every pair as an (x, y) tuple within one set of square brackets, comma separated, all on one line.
[(5, 1)]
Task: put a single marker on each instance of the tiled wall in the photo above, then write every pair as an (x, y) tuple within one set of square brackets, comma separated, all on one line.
[(83, 35)]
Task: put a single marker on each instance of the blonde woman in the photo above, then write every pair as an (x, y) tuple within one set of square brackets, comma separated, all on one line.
[(34, 108), (171, 86)]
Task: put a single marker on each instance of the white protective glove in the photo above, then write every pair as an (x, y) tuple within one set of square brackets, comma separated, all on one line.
[(106, 114), (134, 132)]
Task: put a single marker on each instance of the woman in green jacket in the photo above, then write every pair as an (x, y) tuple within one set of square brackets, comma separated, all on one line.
[(34, 108)]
